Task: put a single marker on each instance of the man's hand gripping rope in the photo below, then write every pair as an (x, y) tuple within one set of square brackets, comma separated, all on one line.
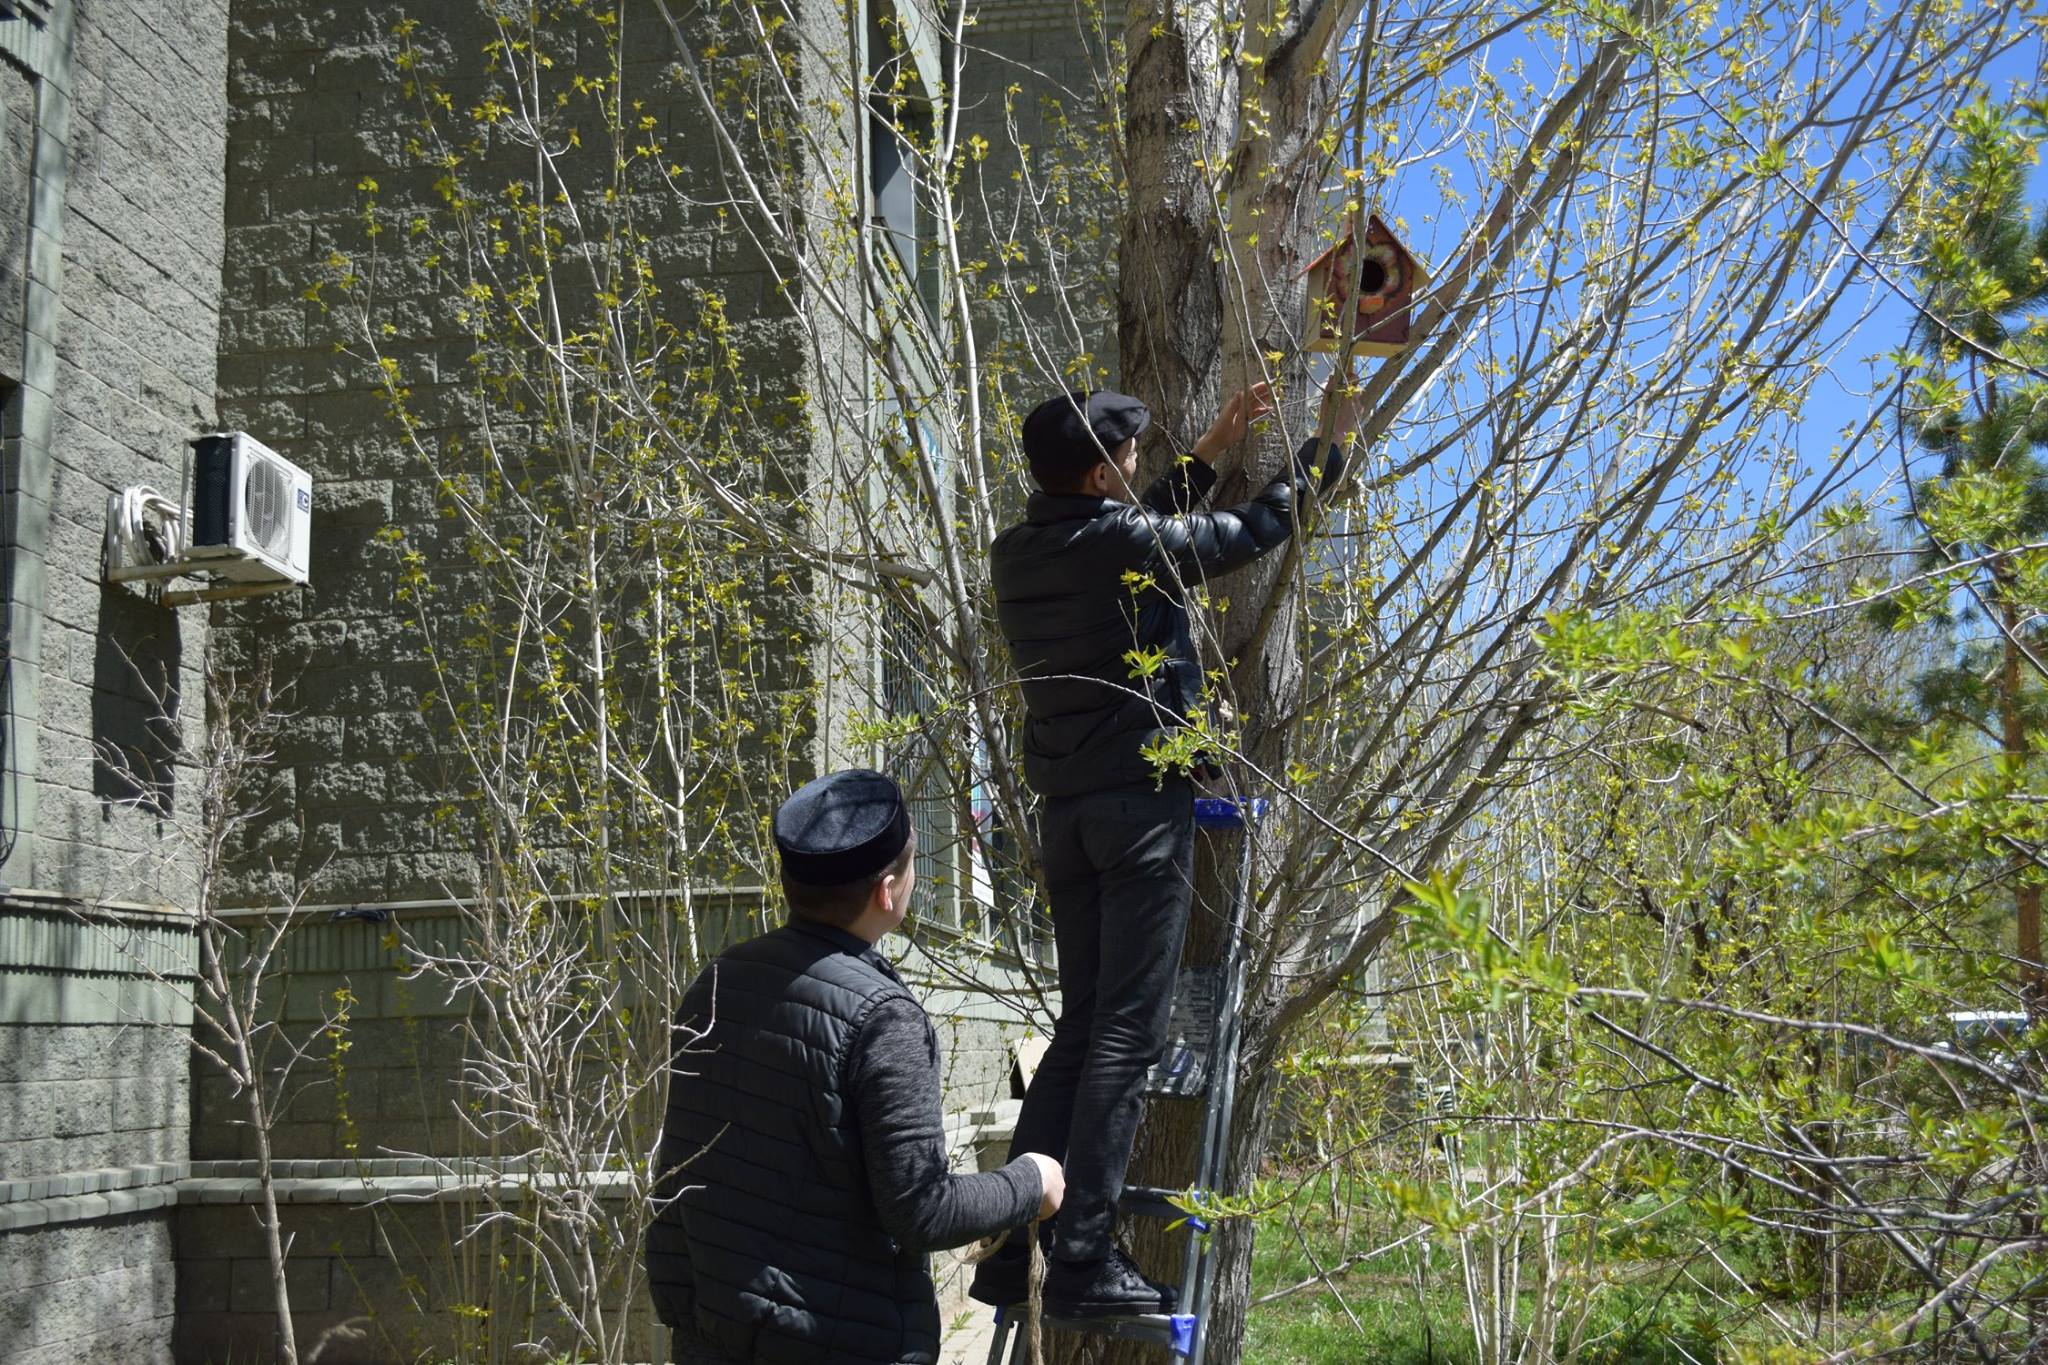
[(1053, 1181)]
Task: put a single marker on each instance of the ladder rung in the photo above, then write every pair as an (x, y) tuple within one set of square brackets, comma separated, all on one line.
[(1146, 1201), (1174, 1331)]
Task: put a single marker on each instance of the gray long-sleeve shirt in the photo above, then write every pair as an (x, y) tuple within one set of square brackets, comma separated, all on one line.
[(893, 1080)]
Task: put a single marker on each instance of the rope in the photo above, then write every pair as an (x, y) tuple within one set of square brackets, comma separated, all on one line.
[(1034, 1301), (1034, 1304)]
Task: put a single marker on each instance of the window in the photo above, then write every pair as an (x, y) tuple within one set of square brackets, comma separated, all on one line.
[(901, 128)]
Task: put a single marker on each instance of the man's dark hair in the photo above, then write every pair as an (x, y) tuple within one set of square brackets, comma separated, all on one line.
[(841, 905), (1070, 433), (1063, 471)]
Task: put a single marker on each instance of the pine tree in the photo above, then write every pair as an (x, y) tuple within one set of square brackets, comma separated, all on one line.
[(1980, 403)]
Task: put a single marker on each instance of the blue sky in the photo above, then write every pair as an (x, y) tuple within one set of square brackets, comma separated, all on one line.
[(1859, 372)]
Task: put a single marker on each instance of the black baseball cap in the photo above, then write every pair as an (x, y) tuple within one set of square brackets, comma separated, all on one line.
[(1069, 434)]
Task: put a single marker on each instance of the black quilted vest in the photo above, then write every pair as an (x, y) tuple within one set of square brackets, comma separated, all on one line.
[(766, 1236)]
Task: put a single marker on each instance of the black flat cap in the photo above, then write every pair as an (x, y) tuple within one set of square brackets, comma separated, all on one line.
[(841, 827), (1068, 435)]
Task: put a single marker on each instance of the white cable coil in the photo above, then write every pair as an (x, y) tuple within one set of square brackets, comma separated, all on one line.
[(132, 526)]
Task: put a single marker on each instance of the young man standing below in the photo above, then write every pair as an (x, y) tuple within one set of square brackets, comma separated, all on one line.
[(801, 1178), (1096, 577)]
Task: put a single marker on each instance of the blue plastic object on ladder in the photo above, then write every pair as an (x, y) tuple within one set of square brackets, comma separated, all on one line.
[(1228, 812), (1183, 1339)]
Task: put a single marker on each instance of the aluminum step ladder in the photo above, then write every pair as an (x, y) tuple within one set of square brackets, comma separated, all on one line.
[(1200, 1063)]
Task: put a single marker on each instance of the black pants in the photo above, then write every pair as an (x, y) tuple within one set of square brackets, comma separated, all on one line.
[(688, 1347), (1119, 866)]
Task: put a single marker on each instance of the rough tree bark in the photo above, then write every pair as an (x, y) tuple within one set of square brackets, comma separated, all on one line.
[(1226, 164)]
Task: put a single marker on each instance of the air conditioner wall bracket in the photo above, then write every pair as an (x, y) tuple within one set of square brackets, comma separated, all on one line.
[(181, 597)]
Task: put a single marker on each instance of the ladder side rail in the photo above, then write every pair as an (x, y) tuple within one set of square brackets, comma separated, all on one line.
[(1215, 1159), (1222, 1101), (1214, 1117), (1223, 1073), (1205, 1268), (1192, 1257), (1001, 1339)]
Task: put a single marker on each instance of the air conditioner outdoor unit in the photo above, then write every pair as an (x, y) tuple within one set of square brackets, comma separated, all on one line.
[(252, 511)]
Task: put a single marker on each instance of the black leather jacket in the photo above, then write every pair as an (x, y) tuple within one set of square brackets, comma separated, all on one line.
[(1084, 582)]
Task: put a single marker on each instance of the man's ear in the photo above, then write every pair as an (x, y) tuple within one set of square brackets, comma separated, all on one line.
[(883, 896), (1100, 481)]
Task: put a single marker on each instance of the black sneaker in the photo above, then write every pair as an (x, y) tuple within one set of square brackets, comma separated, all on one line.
[(1005, 1278), (1109, 1287)]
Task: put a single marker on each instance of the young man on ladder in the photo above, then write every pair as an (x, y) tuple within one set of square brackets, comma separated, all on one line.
[(1091, 598)]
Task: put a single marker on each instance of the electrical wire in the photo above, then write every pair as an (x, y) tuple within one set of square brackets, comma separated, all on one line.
[(10, 795), (149, 527)]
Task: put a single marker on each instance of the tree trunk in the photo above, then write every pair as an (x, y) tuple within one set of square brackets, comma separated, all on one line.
[(2013, 726), (1169, 313), (273, 1229), (1203, 297), (2027, 896)]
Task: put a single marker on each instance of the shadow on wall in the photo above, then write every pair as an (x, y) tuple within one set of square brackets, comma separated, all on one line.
[(136, 697)]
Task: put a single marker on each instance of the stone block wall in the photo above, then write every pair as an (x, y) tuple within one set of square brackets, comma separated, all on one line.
[(977, 1032), (135, 331), (18, 99), (175, 176), (1037, 78), (370, 1284), (320, 112), (102, 1290), (112, 143), (381, 1085), (94, 1115), (83, 1097), (391, 1091), (91, 1095)]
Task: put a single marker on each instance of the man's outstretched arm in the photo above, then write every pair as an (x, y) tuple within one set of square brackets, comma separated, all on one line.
[(1231, 537), (1210, 543), (1183, 486), (894, 1083)]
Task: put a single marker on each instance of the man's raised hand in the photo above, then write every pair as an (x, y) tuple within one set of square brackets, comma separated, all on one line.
[(1243, 408)]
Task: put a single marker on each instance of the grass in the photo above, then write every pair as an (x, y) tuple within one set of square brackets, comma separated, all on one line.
[(1410, 1311)]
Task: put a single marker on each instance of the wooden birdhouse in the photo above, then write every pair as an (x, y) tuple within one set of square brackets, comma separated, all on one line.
[(1388, 279)]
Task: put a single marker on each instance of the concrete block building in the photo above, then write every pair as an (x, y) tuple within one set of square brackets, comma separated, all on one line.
[(176, 177)]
